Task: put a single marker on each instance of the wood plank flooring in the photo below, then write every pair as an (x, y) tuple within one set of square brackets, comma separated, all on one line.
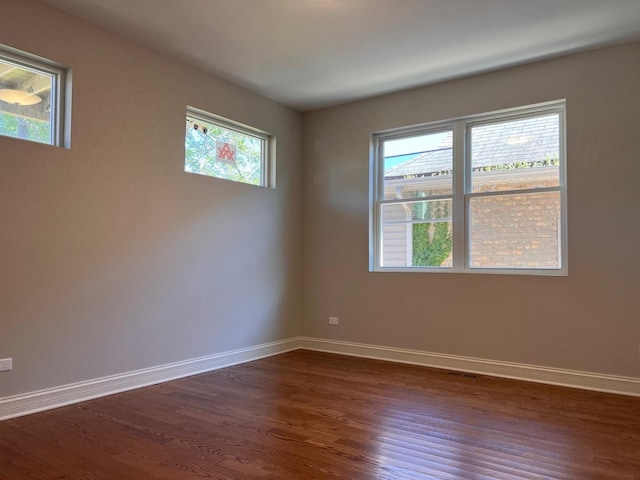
[(309, 415)]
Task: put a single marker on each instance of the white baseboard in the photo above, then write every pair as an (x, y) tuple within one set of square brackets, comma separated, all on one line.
[(530, 373), (32, 402)]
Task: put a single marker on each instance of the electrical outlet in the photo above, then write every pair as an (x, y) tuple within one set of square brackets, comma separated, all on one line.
[(334, 321), (6, 364)]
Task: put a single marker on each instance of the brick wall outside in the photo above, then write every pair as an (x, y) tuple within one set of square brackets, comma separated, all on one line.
[(515, 231)]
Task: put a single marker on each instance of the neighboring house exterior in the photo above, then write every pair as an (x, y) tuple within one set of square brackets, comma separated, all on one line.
[(509, 230)]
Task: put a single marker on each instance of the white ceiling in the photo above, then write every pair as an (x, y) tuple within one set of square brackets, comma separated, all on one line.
[(314, 53)]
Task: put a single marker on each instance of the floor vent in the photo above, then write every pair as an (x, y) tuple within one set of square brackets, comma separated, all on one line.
[(463, 375)]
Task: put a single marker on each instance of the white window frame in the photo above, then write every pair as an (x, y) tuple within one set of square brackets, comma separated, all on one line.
[(60, 92), (267, 170), (462, 192)]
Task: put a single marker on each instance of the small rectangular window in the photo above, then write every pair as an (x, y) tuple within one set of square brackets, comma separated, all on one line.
[(32, 98), (479, 194), (220, 148)]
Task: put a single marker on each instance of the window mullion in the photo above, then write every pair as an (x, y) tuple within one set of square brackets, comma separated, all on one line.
[(459, 215)]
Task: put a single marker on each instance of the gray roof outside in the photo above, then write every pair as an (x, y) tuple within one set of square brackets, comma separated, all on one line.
[(530, 139)]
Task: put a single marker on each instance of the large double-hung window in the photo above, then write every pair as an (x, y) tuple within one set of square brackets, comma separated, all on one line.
[(484, 193)]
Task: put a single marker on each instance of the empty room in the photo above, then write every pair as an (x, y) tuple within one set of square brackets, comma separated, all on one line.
[(319, 239)]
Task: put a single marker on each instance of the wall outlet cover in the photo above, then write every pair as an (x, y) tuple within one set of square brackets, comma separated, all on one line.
[(6, 364)]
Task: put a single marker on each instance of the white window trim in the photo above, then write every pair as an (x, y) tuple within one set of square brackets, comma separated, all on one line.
[(267, 168), (461, 183), (60, 91)]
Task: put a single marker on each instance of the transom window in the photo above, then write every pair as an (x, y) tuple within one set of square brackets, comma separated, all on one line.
[(480, 194), (32, 99), (220, 148)]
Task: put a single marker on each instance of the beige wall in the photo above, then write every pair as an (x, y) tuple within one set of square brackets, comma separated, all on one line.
[(112, 258), (586, 321)]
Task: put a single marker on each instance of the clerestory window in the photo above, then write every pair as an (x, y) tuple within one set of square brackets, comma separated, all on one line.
[(220, 148), (33, 98)]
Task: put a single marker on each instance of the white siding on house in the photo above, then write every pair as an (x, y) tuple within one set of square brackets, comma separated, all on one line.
[(396, 238)]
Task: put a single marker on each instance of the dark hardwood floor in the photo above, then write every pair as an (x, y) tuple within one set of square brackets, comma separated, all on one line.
[(308, 415)]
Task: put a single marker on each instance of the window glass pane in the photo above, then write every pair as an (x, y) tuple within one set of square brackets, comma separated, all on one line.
[(418, 166), (517, 154), (416, 234), (25, 103), (515, 231), (216, 151)]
